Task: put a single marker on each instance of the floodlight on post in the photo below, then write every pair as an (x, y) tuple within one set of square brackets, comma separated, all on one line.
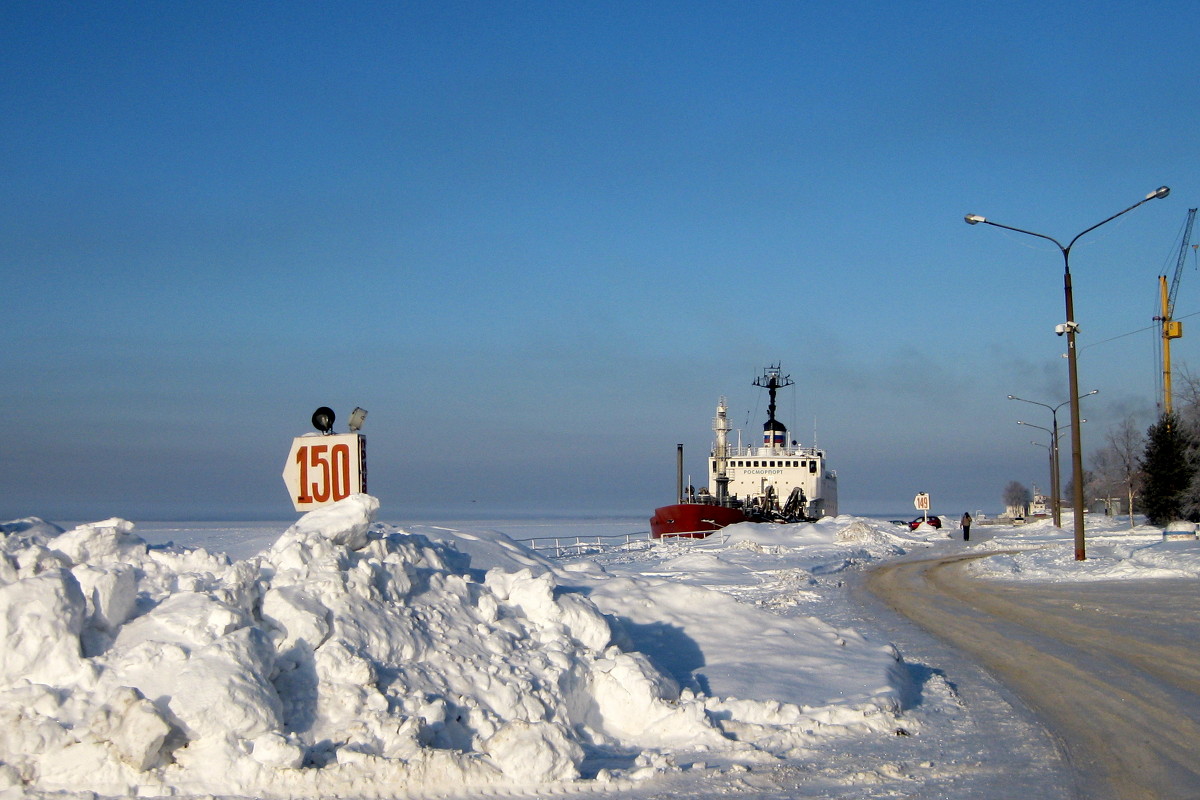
[(357, 417), (1070, 330), (322, 419)]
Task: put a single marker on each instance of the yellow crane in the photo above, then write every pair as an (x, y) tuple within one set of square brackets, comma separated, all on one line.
[(1172, 328)]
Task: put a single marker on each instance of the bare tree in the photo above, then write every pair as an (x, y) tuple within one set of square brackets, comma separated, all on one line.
[(1016, 499), (1187, 409), (1117, 467), (1186, 400), (1106, 478)]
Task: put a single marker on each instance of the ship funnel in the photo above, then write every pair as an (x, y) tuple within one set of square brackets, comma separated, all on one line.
[(774, 433)]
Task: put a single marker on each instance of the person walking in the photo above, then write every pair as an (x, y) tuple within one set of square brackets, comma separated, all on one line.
[(966, 526)]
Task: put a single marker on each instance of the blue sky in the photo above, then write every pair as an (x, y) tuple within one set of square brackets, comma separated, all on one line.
[(538, 240)]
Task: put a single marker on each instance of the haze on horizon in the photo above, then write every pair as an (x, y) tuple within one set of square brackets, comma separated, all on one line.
[(538, 241)]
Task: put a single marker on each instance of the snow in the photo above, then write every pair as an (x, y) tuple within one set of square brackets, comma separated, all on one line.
[(343, 656), (1114, 551)]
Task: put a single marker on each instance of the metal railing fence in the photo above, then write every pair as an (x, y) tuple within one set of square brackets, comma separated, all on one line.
[(577, 546)]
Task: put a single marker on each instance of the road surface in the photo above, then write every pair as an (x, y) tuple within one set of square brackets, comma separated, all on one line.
[(1112, 667)]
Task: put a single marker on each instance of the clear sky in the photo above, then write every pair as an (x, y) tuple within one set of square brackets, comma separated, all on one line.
[(538, 240)]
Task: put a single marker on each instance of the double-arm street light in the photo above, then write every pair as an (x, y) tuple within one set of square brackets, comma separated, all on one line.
[(1055, 471), (1070, 328)]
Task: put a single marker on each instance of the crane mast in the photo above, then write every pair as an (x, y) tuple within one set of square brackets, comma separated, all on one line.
[(1171, 328)]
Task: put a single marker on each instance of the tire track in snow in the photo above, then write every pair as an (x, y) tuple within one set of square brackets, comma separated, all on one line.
[(1112, 667)]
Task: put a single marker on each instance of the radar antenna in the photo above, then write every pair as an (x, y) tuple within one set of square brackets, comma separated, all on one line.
[(773, 380)]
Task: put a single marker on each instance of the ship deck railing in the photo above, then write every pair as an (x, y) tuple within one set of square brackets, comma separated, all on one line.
[(767, 451)]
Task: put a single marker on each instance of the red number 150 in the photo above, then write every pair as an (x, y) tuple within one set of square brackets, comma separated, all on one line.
[(331, 467)]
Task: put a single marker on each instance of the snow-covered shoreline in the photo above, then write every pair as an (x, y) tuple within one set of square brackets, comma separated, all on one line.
[(351, 656)]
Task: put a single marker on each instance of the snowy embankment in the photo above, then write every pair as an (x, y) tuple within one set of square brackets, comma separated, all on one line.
[(1114, 551), (353, 658)]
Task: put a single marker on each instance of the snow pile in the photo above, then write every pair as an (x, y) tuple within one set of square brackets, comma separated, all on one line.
[(818, 549), (1114, 550), (778, 683), (726, 617), (353, 659)]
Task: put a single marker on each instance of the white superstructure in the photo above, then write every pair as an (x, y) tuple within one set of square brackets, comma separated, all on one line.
[(781, 476)]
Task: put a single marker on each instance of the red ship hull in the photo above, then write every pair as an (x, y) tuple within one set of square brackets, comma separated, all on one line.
[(695, 520)]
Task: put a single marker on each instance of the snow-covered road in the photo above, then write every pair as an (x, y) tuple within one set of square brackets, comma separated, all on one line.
[(1111, 666)]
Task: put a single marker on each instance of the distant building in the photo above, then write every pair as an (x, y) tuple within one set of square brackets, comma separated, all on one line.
[(1108, 506)]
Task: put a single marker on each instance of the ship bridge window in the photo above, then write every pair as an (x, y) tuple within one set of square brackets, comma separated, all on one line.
[(812, 467)]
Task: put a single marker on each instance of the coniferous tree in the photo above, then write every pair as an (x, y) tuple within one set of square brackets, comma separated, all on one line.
[(1168, 465)]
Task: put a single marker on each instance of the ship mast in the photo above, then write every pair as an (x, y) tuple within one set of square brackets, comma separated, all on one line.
[(721, 428), (772, 379)]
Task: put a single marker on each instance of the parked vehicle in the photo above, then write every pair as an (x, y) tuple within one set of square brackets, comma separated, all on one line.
[(931, 520)]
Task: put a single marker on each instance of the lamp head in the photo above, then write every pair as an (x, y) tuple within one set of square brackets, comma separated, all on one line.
[(1161, 191), (974, 219), (357, 417), (322, 419)]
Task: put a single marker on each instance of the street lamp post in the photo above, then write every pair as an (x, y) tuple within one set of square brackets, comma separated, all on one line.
[(1056, 471), (1070, 328), (1053, 450)]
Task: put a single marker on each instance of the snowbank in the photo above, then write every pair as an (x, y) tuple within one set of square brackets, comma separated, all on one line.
[(351, 659), (1114, 550), (726, 626)]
